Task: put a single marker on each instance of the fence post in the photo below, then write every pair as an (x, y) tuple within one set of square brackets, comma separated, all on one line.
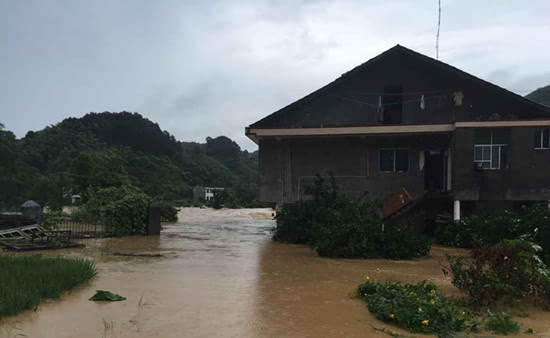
[(153, 221)]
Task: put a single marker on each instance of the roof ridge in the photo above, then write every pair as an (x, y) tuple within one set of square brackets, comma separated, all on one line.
[(472, 76), (398, 47), (330, 84)]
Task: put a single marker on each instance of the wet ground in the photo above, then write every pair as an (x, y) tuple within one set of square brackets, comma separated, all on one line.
[(216, 273)]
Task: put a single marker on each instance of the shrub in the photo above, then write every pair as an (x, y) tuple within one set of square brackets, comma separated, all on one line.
[(493, 227), (226, 198), (121, 210), (293, 223), (27, 280), (501, 322), (51, 219), (336, 226), (508, 271), (419, 308), (168, 212), (399, 242)]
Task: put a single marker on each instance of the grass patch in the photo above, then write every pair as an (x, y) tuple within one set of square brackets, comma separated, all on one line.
[(25, 281)]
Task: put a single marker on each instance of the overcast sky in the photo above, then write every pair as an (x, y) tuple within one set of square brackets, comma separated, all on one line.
[(209, 68)]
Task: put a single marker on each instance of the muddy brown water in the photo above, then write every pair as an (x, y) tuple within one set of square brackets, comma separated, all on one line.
[(217, 273)]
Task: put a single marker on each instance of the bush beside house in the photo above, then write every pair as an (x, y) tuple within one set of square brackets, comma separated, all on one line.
[(503, 273), (495, 226), (336, 226)]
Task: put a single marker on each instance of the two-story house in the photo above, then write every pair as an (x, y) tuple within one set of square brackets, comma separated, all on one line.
[(405, 120)]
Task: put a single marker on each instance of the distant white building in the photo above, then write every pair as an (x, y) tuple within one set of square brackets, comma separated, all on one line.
[(201, 193)]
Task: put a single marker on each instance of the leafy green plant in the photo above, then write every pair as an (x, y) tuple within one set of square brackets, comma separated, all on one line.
[(168, 212), (293, 223), (336, 226), (418, 308), (52, 219), (121, 210), (491, 227), (102, 295), (501, 322), (27, 280), (508, 271)]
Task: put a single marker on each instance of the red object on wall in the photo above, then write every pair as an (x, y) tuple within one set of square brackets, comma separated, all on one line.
[(396, 201)]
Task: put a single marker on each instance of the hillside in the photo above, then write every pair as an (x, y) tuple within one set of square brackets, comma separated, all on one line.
[(541, 95), (104, 149)]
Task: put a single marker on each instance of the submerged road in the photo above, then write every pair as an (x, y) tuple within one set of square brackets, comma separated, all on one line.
[(217, 273)]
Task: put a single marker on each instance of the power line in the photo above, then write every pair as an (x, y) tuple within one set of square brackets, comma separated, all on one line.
[(412, 93), (386, 104)]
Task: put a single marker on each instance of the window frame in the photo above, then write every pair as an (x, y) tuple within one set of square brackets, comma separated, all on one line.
[(491, 146), (394, 149), (541, 145)]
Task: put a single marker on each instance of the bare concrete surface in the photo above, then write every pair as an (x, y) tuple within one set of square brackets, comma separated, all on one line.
[(216, 273)]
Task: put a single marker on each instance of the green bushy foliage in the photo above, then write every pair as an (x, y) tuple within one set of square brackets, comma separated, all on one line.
[(293, 223), (492, 227), (418, 308), (121, 210), (336, 226), (484, 229), (225, 198), (508, 271), (51, 219), (168, 212), (501, 322)]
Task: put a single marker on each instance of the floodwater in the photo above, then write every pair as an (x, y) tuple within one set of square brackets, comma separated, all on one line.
[(217, 273)]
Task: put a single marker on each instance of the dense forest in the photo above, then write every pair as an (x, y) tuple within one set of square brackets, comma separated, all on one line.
[(541, 95), (80, 155)]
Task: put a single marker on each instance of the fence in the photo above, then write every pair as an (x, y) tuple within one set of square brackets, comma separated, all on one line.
[(82, 228)]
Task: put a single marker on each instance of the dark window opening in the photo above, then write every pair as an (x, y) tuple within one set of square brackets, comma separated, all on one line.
[(393, 104), (434, 170), (393, 158)]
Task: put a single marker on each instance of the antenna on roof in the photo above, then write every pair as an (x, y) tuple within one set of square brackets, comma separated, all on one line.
[(437, 36)]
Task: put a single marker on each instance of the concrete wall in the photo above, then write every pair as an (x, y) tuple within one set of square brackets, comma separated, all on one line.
[(526, 179), (287, 165)]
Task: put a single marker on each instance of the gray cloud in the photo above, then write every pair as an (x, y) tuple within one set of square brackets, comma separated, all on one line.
[(210, 68)]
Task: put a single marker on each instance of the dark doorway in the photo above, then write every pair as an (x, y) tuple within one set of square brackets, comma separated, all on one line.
[(434, 171), (393, 104)]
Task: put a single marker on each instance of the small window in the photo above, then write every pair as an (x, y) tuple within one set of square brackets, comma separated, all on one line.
[(542, 139), (393, 158), (491, 148)]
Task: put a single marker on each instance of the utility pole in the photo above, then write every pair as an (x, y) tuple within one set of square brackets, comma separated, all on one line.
[(437, 36), (61, 189)]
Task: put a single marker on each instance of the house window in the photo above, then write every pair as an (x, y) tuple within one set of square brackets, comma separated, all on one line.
[(542, 139), (491, 149), (393, 158)]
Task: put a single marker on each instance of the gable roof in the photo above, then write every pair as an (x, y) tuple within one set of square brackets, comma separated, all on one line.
[(269, 120)]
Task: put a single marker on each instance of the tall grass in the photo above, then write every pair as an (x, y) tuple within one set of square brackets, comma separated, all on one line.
[(27, 280)]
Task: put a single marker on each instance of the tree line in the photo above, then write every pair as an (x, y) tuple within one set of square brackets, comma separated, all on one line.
[(80, 155)]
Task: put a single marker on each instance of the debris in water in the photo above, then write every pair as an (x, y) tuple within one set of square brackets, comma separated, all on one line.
[(106, 295), (136, 254)]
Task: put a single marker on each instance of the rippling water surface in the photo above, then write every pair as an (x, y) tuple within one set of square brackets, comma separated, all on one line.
[(217, 273)]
